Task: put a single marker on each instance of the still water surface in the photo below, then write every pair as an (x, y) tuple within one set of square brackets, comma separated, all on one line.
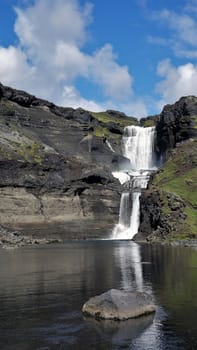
[(42, 290)]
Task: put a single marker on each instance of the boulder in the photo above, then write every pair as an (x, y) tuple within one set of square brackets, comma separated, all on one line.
[(119, 305)]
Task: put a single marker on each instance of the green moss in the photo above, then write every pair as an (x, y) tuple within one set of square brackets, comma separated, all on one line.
[(106, 118), (100, 131), (165, 207), (194, 118), (148, 123), (30, 152), (195, 124), (7, 108), (179, 174), (179, 177), (166, 173), (191, 219), (184, 185)]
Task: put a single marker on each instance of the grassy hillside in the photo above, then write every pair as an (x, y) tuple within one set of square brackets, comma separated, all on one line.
[(109, 123), (178, 178)]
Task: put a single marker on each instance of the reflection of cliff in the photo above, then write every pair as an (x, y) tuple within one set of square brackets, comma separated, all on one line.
[(173, 275), (130, 265)]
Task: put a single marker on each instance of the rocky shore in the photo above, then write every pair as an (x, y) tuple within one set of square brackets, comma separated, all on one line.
[(13, 239)]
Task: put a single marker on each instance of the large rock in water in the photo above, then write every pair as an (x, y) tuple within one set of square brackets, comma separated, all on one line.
[(119, 305)]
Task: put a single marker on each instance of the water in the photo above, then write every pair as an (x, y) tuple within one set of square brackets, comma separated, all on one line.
[(138, 147), (110, 146), (43, 289)]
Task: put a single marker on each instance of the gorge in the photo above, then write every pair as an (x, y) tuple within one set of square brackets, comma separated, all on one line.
[(56, 170)]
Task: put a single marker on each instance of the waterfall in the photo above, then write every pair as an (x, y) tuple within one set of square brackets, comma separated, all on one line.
[(124, 209), (138, 143), (138, 147), (110, 146)]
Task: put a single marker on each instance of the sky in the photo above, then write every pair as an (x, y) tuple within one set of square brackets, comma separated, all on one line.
[(134, 56)]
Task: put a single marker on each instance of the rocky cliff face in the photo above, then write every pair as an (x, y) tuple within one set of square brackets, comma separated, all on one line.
[(56, 163), (176, 123), (169, 206), (56, 167)]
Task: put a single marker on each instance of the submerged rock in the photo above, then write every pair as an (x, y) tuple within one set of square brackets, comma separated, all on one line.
[(119, 305)]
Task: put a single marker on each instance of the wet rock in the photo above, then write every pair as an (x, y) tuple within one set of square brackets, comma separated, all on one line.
[(12, 239), (119, 305)]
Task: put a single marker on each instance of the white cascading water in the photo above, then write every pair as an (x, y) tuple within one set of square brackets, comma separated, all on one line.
[(138, 147)]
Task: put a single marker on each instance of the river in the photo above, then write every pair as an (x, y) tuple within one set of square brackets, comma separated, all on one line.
[(42, 290)]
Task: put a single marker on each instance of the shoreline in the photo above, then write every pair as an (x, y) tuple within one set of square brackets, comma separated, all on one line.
[(12, 239)]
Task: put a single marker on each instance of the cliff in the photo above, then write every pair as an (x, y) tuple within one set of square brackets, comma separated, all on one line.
[(169, 206), (55, 167), (56, 164)]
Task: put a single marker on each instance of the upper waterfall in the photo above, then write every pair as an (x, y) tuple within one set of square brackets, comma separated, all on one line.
[(138, 147), (138, 144)]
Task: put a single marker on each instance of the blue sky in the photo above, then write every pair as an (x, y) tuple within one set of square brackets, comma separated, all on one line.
[(130, 55)]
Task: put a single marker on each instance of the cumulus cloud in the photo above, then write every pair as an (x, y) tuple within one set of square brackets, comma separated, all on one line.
[(72, 98), (184, 26), (182, 29), (177, 81), (41, 25), (115, 79), (50, 56), (13, 66)]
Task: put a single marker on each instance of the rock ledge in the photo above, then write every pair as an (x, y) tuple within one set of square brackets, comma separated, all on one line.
[(119, 305)]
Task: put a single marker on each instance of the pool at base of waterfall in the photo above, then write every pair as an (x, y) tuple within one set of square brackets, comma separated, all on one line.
[(43, 289)]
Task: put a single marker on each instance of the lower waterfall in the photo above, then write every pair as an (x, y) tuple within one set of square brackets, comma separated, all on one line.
[(138, 147)]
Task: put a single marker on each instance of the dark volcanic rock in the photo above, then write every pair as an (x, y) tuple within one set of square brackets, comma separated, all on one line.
[(176, 124), (55, 167), (150, 213)]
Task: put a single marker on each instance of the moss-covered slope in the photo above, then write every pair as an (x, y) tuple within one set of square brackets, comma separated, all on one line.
[(173, 196)]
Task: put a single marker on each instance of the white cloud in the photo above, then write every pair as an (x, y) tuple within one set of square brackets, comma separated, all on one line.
[(72, 98), (181, 33), (177, 81), (135, 107), (183, 25), (115, 79), (41, 25), (50, 56), (13, 66)]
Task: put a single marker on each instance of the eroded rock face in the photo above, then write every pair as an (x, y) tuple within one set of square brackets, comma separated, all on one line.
[(162, 214), (119, 305), (169, 206), (176, 123), (55, 168)]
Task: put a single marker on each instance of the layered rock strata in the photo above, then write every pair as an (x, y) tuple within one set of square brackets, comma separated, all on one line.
[(55, 167)]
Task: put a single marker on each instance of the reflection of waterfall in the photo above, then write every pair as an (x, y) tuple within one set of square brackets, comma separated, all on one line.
[(138, 147), (131, 266)]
